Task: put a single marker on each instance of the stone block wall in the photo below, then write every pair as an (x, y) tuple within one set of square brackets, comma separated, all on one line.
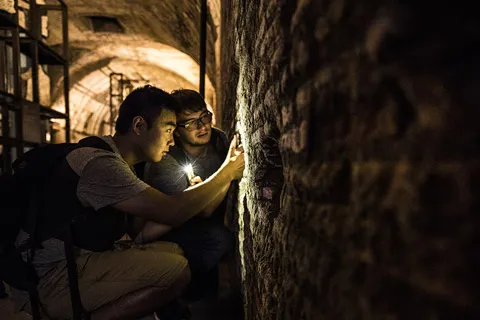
[(359, 120)]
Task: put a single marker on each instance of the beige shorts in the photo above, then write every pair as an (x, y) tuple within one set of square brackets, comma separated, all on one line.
[(104, 277)]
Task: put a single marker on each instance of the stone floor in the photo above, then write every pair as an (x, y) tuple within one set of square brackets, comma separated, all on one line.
[(214, 309)]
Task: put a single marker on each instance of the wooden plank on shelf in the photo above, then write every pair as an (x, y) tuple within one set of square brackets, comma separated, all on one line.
[(31, 123)]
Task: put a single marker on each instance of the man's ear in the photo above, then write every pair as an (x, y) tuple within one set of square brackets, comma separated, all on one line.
[(139, 125)]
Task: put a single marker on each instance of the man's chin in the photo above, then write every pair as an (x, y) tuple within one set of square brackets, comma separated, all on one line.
[(200, 143), (159, 158)]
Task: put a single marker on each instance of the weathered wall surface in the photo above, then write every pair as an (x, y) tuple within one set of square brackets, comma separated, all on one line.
[(360, 126)]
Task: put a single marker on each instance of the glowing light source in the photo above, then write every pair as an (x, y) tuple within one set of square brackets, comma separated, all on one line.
[(189, 171)]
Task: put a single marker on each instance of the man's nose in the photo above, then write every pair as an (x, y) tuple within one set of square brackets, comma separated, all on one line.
[(171, 142), (201, 125)]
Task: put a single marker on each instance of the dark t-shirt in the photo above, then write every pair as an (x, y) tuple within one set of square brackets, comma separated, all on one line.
[(169, 177)]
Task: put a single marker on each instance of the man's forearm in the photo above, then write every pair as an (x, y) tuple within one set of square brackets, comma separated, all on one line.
[(200, 196), (173, 210), (212, 206), (151, 231)]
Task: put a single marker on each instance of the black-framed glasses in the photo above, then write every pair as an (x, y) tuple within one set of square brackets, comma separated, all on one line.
[(195, 124)]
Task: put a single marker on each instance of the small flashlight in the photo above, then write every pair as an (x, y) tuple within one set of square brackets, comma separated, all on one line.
[(189, 171)]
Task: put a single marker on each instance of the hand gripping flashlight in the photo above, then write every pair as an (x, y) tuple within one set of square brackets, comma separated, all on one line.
[(189, 171)]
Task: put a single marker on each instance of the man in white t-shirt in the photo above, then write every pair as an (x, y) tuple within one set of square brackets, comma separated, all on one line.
[(136, 281)]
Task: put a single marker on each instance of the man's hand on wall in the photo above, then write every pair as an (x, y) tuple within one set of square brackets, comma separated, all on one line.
[(235, 161)]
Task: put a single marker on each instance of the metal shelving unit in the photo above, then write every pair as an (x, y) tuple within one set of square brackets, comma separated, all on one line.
[(23, 121)]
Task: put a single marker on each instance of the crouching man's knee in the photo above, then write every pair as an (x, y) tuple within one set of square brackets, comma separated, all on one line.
[(181, 278), (166, 282)]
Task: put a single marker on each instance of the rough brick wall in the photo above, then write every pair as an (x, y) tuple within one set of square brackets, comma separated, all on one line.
[(360, 126)]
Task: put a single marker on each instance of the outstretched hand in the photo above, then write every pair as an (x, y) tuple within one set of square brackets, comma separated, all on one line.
[(234, 149), (235, 161)]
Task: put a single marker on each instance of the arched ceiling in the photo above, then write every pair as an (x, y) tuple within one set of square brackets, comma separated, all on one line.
[(160, 44)]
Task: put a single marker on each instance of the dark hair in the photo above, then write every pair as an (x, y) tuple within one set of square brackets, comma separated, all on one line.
[(189, 100), (147, 102)]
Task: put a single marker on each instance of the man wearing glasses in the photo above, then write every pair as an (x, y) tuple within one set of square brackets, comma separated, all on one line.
[(198, 153)]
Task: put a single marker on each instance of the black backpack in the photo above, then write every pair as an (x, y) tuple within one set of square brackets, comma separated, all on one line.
[(20, 198)]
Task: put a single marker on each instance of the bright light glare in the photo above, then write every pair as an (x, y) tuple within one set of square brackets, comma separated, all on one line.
[(189, 171)]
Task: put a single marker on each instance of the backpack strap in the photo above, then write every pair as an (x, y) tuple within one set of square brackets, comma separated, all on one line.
[(32, 278), (79, 311), (94, 142)]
